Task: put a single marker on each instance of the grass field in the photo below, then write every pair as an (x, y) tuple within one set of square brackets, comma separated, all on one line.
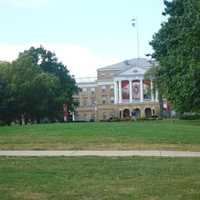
[(92, 178), (166, 135)]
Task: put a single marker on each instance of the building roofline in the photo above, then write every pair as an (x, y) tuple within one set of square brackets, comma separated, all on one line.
[(85, 80), (125, 64)]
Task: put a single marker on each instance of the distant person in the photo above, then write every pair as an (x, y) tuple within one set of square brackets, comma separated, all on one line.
[(134, 115)]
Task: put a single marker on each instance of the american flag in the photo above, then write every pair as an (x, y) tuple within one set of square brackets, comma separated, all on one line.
[(133, 22)]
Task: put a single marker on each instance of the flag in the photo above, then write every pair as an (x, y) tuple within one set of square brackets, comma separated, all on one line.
[(133, 22)]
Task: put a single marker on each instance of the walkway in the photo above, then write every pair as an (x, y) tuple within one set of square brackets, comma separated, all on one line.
[(37, 153)]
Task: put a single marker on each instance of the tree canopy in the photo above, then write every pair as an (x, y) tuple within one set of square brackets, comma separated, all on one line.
[(177, 48), (35, 86)]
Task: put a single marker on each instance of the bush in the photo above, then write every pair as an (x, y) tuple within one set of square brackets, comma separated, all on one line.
[(190, 116)]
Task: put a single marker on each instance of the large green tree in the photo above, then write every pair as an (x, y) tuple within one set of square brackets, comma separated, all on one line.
[(31, 88), (152, 74), (177, 48), (7, 105), (35, 86), (67, 87)]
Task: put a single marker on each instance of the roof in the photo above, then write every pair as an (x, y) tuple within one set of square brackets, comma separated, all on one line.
[(86, 80), (121, 67), (135, 62)]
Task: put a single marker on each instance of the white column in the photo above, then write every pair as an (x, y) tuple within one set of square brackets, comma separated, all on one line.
[(156, 95), (73, 116), (120, 91), (95, 111), (116, 92), (130, 112), (130, 92), (141, 91), (152, 94)]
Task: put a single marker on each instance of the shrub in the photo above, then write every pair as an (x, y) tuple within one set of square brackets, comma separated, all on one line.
[(190, 116)]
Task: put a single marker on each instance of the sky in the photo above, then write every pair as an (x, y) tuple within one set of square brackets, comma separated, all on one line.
[(84, 34)]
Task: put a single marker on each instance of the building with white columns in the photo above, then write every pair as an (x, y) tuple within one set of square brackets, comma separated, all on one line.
[(119, 91)]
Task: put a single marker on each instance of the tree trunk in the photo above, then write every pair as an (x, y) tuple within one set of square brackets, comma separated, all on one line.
[(160, 99), (38, 120), (22, 120)]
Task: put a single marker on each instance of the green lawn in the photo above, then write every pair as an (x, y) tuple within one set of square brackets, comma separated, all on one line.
[(92, 178), (168, 135)]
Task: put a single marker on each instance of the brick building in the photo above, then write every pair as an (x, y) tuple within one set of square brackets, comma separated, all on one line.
[(119, 91)]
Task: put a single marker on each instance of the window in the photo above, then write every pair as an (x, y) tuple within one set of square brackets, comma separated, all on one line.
[(104, 100), (84, 91), (104, 116), (85, 116), (92, 90), (103, 88), (92, 116), (84, 102), (111, 99), (111, 115), (112, 89), (93, 102)]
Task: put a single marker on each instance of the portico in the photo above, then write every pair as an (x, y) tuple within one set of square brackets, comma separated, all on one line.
[(133, 90)]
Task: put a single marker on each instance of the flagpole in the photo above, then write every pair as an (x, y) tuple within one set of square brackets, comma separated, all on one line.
[(135, 23), (138, 39)]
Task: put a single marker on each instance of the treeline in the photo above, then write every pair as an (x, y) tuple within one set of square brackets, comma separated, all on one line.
[(34, 87), (177, 48)]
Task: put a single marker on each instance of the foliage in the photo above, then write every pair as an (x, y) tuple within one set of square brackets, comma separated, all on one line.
[(190, 116), (7, 108), (35, 89), (152, 74), (177, 48), (48, 62)]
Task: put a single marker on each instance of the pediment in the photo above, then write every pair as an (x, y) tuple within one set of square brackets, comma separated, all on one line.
[(132, 71)]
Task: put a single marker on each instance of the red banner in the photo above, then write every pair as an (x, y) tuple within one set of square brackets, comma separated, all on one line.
[(65, 111), (136, 90), (125, 90)]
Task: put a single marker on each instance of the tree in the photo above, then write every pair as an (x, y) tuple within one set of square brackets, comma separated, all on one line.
[(35, 86), (152, 74), (48, 62), (7, 108), (177, 48), (31, 89)]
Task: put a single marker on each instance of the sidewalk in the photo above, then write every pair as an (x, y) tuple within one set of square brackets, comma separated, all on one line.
[(37, 153)]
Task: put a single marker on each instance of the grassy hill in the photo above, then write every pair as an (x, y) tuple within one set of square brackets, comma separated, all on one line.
[(166, 135), (99, 178)]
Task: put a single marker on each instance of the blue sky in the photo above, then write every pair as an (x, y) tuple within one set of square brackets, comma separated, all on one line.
[(85, 34)]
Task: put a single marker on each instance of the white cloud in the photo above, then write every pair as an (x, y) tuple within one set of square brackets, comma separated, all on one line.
[(80, 61), (24, 3)]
